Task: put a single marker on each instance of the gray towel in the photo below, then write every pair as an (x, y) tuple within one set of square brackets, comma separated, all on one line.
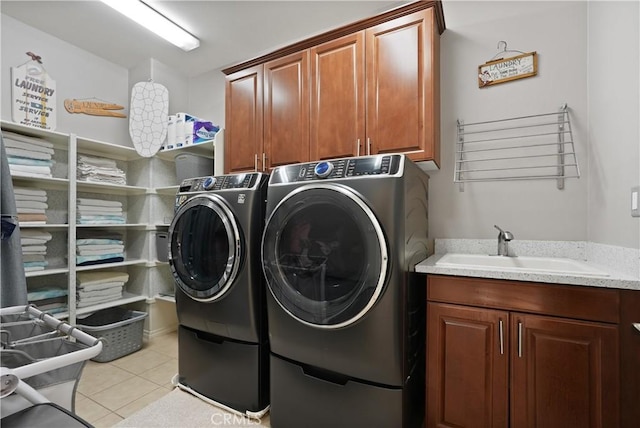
[(13, 288)]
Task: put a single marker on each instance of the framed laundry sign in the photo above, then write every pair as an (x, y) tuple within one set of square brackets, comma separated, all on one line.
[(33, 95), (507, 69)]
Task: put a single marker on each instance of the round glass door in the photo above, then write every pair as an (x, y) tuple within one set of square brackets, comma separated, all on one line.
[(204, 252), (324, 256)]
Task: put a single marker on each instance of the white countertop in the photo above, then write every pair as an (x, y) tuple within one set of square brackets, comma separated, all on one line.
[(618, 278)]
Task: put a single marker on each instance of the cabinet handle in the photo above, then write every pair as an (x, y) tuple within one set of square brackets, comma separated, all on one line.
[(501, 332), (264, 161), (637, 325), (519, 339), (255, 162), (368, 146), (358, 148)]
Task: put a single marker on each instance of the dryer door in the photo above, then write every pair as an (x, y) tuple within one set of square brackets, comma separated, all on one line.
[(205, 247), (324, 255)]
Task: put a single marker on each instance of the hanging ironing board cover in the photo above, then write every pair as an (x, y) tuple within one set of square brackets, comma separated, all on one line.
[(148, 117)]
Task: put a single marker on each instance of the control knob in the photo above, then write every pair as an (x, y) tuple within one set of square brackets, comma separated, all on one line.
[(208, 183), (323, 169)]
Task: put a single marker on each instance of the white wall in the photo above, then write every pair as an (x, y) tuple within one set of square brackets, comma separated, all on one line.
[(529, 209), (78, 74), (614, 125)]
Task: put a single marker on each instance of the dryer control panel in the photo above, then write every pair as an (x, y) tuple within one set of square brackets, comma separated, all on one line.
[(339, 168), (222, 182)]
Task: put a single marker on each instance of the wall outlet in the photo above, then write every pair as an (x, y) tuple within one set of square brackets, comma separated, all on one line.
[(635, 201)]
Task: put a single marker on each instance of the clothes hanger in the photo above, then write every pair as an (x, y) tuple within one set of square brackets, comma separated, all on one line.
[(505, 50)]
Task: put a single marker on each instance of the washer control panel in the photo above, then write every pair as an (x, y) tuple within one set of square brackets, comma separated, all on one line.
[(338, 168)]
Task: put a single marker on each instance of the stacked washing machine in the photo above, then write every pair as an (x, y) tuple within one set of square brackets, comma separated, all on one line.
[(214, 255), (346, 316)]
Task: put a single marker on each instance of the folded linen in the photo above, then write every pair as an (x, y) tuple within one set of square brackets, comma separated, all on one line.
[(46, 293), (28, 154), (101, 286), (14, 138), (97, 161), (30, 210), (32, 198), (91, 278), (32, 257), (32, 241), (81, 260), (17, 160), (34, 249), (35, 233), (99, 293), (102, 221), (94, 301), (31, 204), (28, 146), (26, 217), (33, 264), (33, 268), (27, 191), (116, 246), (98, 241), (99, 202), (120, 249), (93, 210), (101, 261)]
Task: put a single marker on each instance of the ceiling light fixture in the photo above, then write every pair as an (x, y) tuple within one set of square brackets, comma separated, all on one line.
[(153, 20)]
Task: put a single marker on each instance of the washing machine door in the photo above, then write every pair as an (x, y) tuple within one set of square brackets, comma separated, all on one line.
[(324, 256), (205, 247)]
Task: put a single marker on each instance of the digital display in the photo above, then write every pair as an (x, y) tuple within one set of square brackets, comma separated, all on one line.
[(368, 165)]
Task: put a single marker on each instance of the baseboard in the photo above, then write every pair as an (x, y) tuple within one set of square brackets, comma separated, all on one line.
[(148, 334)]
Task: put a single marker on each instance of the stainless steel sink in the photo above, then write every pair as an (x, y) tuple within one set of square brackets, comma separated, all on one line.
[(548, 265)]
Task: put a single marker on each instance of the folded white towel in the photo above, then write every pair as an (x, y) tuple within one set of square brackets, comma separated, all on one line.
[(89, 278), (27, 154), (31, 204), (83, 247), (115, 290), (95, 300), (32, 258), (12, 136), (30, 210), (29, 191), (93, 210), (34, 233), (34, 249), (99, 202), (27, 146), (97, 161), (30, 198), (32, 241), (101, 286)]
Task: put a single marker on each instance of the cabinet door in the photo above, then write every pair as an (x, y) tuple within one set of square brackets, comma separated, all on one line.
[(564, 373), (402, 86), (337, 98), (243, 123), (467, 366), (286, 110)]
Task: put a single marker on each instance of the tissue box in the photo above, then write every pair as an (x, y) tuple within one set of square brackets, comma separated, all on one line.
[(193, 130)]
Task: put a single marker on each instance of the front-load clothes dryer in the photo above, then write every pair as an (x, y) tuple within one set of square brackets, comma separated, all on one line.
[(214, 256), (346, 314)]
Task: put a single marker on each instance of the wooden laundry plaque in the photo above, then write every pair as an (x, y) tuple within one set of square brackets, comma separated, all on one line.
[(507, 69)]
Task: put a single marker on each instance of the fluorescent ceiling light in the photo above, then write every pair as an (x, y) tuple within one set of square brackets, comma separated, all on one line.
[(154, 21)]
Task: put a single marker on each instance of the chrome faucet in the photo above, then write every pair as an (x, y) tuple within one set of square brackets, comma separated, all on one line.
[(503, 241)]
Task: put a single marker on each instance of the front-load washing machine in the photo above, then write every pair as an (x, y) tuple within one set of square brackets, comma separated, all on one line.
[(346, 313), (214, 256)]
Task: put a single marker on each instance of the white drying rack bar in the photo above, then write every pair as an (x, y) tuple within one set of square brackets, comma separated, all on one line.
[(530, 147)]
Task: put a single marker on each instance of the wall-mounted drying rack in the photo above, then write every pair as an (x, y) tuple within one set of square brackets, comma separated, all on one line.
[(532, 147)]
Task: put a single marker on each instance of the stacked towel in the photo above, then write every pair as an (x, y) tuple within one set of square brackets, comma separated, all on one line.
[(49, 299), (96, 247), (99, 287), (98, 211), (31, 205), (28, 156), (34, 249), (100, 170)]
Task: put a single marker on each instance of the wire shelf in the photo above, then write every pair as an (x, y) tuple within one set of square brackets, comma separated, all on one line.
[(530, 147)]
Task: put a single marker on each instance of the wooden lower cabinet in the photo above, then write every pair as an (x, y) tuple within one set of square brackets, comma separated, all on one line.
[(495, 366)]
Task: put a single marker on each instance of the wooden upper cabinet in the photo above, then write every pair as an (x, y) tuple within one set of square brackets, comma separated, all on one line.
[(368, 87), (337, 98), (403, 86), (243, 124), (286, 110)]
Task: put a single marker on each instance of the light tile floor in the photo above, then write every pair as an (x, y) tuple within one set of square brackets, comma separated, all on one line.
[(109, 392)]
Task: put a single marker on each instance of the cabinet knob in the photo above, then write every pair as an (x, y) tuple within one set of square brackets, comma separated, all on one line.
[(637, 325)]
